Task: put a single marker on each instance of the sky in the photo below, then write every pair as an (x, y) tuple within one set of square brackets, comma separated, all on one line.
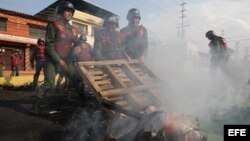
[(162, 18)]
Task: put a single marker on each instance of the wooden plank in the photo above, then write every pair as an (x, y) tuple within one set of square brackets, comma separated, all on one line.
[(143, 74), (105, 75), (135, 102), (115, 99), (107, 62), (122, 103), (142, 82), (101, 82), (123, 75), (116, 67), (92, 69), (146, 79), (129, 83), (148, 71), (91, 80), (107, 86), (96, 72), (136, 69), (124, 80), (98, 78), (114, 76), (122, 91), (134, 73), (118, 71)]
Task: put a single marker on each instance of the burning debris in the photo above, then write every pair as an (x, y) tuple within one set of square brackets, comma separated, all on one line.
[(129, 107)]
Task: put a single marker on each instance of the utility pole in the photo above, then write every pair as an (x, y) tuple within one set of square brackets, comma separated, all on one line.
[(182, 20)]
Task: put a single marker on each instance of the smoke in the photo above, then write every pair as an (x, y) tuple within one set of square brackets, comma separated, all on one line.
[(86, 125), (191, 87)]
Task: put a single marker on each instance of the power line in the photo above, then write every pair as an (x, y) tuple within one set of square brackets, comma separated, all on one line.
[(155, 6), (246, 39), (238, 35)]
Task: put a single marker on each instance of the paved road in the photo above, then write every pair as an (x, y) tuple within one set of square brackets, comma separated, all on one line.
[(17, 124)]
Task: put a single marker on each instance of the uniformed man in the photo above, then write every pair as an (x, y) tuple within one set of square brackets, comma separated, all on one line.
[(218, 51), (38, 56), (15, 62), (135, 36), (58, 41), (108, 41), (82, 50)]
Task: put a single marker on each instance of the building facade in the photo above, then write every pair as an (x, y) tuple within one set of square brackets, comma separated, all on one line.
[(19, 31)]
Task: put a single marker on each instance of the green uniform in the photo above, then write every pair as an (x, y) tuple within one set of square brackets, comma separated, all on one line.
[(59, 37), (58, 40)]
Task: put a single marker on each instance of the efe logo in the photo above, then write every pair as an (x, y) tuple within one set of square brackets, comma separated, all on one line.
[(237, 132)]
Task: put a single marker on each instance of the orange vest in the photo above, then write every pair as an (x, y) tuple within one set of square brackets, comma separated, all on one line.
[(16, 59), (40, 52), (85, 53), (135, 40), (64, 38), (111, 41)]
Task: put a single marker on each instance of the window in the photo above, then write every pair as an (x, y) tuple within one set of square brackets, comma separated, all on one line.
[(36, 31), (94, 30), (3, 24), (81, 28)]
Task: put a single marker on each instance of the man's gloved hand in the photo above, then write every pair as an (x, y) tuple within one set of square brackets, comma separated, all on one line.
[(62, 64)]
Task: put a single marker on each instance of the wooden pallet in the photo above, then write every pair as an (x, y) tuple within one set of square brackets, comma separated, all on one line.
[(129, 84)]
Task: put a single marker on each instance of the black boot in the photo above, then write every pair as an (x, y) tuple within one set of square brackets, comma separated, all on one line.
[(35, 108)]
